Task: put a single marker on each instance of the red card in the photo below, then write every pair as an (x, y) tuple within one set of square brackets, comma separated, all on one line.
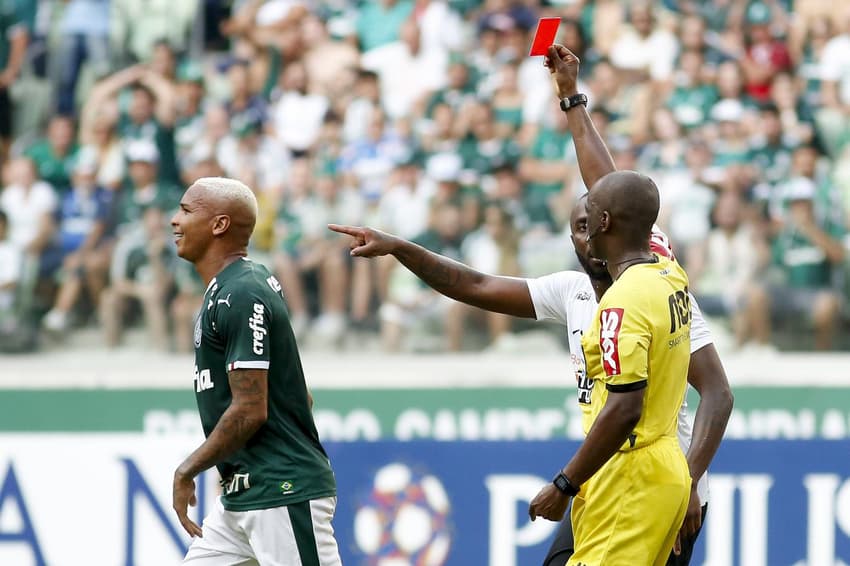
[(547, 29)]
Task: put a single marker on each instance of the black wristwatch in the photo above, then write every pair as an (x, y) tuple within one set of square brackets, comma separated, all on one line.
[(564, 484), (573, 101)]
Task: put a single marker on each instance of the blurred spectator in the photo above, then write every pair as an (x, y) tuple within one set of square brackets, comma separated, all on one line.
[(493, 248), (628, 104), (507, 102), (482, 149), (137, 26), (189, 109), (410, 304), (644, 46), (297, 115), (692, 99), (100, 139), (770, 153), (765, 55), (408, 72), (243, 102), (308, 249), (141, 273), (11, 265), (16, 27), (795, 115), (380, 22), (54, 156), (546, 168), (30, 205), (147, 115), (722, 269), (366, 164), (367, 99), (835, 89), (806, 251), (327, 57), (83, 219), (84, 40)]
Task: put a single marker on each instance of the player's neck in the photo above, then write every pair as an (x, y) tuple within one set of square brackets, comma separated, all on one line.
[(213, 263)]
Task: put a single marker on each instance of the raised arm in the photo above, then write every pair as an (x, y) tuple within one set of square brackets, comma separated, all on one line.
[(594, 160), (507, 295), (247, 412)]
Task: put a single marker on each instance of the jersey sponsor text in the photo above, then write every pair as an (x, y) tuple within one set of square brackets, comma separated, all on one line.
[(255, 323), (612, 321)]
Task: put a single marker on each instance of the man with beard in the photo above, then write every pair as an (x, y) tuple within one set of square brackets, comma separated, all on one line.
[(571, 298)]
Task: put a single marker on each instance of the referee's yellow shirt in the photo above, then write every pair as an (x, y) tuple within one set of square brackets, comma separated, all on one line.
[(640, 337)]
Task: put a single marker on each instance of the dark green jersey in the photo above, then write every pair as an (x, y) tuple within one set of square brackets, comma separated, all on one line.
[(244, 324)]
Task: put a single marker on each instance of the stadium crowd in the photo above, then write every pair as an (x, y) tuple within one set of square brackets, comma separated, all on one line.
[(427, 119)]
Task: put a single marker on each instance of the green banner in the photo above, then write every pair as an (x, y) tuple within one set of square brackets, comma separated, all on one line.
[(407, 414)]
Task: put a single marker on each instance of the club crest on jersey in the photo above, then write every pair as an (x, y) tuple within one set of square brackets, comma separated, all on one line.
[(256, 324), (198, 332), (611, 321)]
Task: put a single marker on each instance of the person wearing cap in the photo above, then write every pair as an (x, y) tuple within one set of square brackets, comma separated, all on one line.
[(83, 219), (142, 188), (807, 251), (765, 55), (190, 95)]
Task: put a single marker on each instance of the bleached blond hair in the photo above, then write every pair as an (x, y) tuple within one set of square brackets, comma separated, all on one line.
[(231, 191)]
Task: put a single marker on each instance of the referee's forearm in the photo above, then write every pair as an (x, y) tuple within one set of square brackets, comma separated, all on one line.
[(594, 160), (609, 431)]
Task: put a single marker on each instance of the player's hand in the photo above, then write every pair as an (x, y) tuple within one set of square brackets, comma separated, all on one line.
[(551, 504), (692, 522), (183, 496), (367, 242), (563, 67)]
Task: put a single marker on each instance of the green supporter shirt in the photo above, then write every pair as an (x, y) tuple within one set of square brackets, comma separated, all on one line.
[(52, 168), (377, 26), (549, 145), (15, 15), (162, 137), (692, 105), (244, 324)]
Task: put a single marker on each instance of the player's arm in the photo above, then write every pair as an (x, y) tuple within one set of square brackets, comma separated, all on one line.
[(594, 160), (247, 412), (507, 295), (243, 418)]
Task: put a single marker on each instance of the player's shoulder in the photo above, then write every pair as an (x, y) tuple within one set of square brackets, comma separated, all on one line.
[(250, 280)]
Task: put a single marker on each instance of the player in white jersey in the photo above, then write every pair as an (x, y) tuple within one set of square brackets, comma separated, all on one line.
[(571, 298)]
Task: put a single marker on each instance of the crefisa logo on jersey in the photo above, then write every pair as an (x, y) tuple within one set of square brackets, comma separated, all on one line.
[(404, 520), (611, 320), (255, 323)]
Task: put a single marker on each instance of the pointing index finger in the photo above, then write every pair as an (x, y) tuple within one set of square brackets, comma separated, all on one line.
[(350, 230)]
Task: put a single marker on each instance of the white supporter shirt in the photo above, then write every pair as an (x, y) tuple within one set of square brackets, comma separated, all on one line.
[(567, 297), (26, 210)]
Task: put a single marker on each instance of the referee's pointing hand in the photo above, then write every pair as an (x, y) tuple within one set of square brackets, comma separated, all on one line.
[(366, 242)]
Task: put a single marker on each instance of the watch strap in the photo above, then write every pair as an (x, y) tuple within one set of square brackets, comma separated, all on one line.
[(563, 484), (573, 101)]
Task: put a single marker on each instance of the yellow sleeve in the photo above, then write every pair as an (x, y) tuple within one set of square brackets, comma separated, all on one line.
[(624, 338)]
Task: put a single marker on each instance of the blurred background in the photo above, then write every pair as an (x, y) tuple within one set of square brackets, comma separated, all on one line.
[(425, 118)]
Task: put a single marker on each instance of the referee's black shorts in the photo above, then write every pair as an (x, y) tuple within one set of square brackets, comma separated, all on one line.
[(563, 546)]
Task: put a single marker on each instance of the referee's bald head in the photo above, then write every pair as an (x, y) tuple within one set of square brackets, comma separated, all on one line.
[(631, 201)]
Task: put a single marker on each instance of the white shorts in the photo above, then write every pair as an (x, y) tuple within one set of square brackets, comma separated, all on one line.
[(294, 535)]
